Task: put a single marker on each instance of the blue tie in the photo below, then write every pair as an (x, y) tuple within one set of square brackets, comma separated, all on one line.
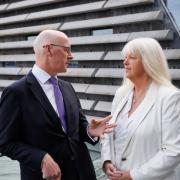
[(59, 102)]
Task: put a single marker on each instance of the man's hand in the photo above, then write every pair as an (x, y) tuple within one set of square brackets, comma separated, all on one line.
[(97, 128), (120, 175), (50, 169)]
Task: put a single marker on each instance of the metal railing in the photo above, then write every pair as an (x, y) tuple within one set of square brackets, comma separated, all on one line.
[(170, 17)]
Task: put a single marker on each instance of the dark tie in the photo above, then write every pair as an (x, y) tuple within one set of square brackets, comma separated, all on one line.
[(59, 102)]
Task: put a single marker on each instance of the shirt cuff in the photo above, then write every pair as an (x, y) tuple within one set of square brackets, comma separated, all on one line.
[(92, 138)]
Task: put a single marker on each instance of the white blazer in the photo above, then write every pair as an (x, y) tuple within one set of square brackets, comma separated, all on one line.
[(152, 150)]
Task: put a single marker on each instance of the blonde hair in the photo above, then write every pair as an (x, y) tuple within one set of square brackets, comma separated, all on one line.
[(153, 60)]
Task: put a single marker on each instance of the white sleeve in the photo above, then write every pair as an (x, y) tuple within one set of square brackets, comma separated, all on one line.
[(105, 149), (165, 161), (105, 142)]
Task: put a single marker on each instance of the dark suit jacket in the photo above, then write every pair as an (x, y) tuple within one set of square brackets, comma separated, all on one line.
[(30, 128)]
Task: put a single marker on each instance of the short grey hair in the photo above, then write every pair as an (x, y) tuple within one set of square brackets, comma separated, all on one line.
[(43, 38)]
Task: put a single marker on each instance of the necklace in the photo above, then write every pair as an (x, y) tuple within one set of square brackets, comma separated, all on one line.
[(138, 98)]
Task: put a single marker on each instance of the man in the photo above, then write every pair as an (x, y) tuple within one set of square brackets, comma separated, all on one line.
[(41, 123)]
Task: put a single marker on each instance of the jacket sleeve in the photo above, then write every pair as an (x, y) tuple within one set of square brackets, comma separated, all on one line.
[(165, 161), (11, 141), (106, 141), (105, 149)]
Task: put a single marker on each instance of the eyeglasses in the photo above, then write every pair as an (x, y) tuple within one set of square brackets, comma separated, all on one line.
[(67, 49)]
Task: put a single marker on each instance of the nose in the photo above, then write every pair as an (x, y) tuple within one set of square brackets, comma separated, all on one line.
[(70, 56), (125, 62)]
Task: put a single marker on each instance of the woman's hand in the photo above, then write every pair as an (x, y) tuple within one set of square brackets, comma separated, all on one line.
[(109, 168), (120, 175)]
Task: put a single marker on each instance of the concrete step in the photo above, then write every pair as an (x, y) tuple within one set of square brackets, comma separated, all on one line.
[(9, 169), (161, 35)]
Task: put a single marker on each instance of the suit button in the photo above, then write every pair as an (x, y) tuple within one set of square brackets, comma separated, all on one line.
[(123, 159), (72, 158)]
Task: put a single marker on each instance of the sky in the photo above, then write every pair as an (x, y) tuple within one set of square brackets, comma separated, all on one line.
[(174, 6)]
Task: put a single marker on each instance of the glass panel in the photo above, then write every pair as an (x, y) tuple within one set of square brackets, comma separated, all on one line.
[(174, 7), (98, 32), (9, 64)]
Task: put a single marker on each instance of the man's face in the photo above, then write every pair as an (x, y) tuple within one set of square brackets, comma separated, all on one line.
[(60, 56)]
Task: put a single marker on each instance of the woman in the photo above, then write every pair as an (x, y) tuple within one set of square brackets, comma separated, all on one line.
[(145, 145)]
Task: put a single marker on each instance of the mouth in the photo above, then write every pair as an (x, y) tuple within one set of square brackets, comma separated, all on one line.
[(67, 64), (127, 69)]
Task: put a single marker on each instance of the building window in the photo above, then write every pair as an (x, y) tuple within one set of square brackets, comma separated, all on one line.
[(9, 64), (174, 7), (98, 32)]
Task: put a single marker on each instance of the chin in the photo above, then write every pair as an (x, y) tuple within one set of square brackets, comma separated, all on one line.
[(65, 70)]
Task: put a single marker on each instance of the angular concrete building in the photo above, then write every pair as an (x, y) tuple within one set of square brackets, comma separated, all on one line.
[(98, 30)]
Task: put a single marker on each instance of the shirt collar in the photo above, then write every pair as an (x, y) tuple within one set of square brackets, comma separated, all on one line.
[(40, 74)]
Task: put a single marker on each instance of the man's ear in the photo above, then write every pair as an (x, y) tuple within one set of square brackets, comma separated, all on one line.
[(48, 50)]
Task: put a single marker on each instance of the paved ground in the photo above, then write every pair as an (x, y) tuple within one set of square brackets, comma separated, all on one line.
[(9, 170)]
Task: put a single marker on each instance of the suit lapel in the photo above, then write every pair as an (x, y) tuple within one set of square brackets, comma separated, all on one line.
[(142, 111), (41, 97)]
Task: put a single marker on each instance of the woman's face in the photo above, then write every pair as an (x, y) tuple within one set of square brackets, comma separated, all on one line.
[(133, 67)]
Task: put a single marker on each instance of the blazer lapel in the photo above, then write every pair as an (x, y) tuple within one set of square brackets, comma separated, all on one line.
[(143, 110), (113, 120), (41, 97), (119, 108)]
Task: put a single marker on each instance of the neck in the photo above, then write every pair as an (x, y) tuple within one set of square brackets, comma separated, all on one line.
[(141, 84), (44, 67), (140, 89)]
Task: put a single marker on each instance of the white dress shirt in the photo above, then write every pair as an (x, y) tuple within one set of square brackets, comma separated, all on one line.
[(43, 77)]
